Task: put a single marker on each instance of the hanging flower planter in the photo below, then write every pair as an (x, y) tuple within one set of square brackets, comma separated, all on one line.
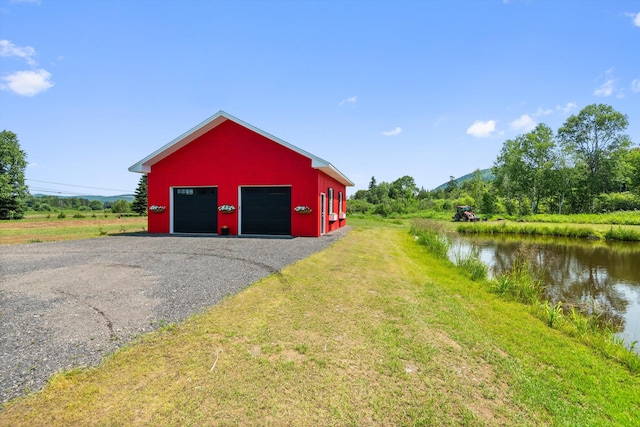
[(227, 209), (157, 209), (342, 215), (303, 210), (333, 216)]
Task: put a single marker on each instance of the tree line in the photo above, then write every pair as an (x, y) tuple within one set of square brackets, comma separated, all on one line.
[(46, 203), (15, 198), (588, 166), (583, 167), (41, 203)]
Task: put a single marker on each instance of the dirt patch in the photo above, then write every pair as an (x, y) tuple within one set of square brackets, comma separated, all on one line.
[(88, 295)]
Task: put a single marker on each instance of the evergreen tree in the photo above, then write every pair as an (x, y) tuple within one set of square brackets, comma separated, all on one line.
[(372, 183), (13, 191), (139, 204), (372, 193), (451, 186)]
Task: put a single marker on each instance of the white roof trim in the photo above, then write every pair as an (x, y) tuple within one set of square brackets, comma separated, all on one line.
[(144, 165)]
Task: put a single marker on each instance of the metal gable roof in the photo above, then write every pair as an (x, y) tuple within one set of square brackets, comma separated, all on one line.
[(144, 165)]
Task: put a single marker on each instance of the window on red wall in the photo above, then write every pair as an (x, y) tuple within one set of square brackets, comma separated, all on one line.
[(331, 200), (340, 210)]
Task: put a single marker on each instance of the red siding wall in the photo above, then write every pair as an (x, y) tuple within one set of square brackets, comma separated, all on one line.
[(324, 183), (230, 156)]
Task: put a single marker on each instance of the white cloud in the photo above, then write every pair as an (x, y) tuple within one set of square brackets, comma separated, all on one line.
[(567, 108), (606, 89), (24, 83), (440, 121), (525, 124), (541, 112), (635, 17), (27, 83), (635, 86), (350, 100), (481, 129), (9, 49), (394, 132)]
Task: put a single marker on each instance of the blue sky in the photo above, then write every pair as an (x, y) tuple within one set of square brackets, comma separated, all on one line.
[(429, 89)]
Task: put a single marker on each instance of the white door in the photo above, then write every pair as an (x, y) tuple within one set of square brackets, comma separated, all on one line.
[(323, 213)]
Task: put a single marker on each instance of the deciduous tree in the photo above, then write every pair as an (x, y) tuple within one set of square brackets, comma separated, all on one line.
[(120, 206), (524, 166), (13, 191), (404, 188), (594, 138), (633, 160)]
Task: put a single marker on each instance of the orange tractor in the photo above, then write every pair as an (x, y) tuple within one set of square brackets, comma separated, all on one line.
[(464, 213)]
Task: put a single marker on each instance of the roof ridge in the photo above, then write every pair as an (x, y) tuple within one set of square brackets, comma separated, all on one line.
[(144, 165)]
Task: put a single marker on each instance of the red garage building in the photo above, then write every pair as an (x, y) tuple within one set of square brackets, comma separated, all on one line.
[(225, 175)]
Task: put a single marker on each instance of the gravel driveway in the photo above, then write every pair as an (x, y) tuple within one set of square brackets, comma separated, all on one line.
[(68, 304)]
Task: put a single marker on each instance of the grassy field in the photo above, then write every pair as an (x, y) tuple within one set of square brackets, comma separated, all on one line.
[(630, 233), (374, 330), (38, 228)]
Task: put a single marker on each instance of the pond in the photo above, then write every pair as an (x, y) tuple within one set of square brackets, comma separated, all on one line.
[(603, 276)]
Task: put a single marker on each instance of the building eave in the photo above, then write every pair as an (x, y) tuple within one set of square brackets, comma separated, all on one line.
[(334, 173)]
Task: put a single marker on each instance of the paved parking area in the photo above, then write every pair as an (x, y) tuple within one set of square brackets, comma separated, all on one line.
[(68, 304)]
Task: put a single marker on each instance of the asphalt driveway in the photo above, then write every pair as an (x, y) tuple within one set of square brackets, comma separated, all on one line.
[(68, 304)]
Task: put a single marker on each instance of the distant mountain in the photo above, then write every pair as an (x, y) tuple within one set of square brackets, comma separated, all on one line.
[(486, 177), (128, 197)]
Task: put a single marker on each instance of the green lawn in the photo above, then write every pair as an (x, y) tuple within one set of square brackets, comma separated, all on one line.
[(372, 331)]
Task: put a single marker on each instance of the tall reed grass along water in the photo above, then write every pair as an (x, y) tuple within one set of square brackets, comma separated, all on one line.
[(431, 234), (522, 278), (521, 282), (583, 232)]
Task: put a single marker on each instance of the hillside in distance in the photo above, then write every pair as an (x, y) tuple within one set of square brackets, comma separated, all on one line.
[(486, 177)]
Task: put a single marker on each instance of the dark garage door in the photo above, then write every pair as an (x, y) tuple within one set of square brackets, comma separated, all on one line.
[(195, 210), (266, 210)]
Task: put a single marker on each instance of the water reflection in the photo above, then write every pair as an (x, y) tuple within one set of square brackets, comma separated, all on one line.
[(604, 277)]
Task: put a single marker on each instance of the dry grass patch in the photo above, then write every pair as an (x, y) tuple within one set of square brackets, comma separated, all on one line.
[(51, 230)]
